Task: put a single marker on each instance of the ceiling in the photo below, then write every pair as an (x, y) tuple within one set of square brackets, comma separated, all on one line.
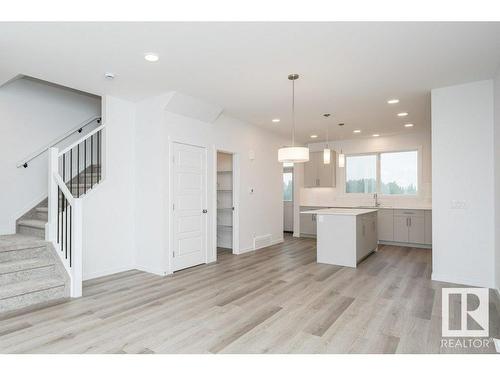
[(347, 69)]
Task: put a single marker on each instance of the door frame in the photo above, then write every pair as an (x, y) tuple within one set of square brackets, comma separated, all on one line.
[(236, 200), (168, 236)]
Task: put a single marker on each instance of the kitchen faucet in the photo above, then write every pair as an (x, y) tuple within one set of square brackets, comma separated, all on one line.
[(377, 203)]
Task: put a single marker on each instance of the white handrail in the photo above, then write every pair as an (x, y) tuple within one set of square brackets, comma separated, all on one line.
[(80, 140), (25, 161)]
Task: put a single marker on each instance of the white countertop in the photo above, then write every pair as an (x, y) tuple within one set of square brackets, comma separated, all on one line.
[(340, 211)]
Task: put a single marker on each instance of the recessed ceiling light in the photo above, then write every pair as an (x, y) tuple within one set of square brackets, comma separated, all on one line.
[(356, 131), (403, 114), (275, 120), (393, 101), (109, 75), (408, 125), (376, 135), (314, 136), (151, 57)]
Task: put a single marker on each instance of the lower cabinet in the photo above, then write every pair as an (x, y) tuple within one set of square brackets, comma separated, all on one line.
[(409, 226), (308, 222), (385, 219)]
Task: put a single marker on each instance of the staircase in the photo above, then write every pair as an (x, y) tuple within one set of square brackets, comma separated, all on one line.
[(33, 222), (30, 273)]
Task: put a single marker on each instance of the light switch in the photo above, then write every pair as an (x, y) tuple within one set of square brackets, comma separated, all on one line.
[(458, 204)]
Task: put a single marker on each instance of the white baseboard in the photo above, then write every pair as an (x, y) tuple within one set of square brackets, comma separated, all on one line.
[(405, 244), (107, 272), (155, 271), (460, 280), (274, 242)]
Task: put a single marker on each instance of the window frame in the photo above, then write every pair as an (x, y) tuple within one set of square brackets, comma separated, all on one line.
[(378, 189)]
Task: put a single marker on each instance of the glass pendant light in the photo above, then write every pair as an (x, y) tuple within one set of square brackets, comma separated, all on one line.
[(341, 155), (293, 154), (326, 151)]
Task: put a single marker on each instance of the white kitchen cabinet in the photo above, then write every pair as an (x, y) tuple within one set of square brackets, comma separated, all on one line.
[(400, 228), (428, 226), (317, 173), (416, 229), (409, 226), (307, 222), (385, 221)]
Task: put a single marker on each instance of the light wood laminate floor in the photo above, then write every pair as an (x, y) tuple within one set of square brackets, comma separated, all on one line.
[(275, 300)]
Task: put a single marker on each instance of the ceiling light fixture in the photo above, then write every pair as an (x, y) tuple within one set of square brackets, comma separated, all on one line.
[(403, 114), (341, 155), (275, 120), (314, 136), (151, 57), (356, 131), (109, 75), (293, 154), (393, 101), (376, 135), (326, 150), (408, 125)]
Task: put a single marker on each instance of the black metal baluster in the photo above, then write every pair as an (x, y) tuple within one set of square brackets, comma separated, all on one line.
[(70, 234), (66, 229), (58, 208), (64, 168), (71, 170), (91, 160), (78, 167), (85, 163)]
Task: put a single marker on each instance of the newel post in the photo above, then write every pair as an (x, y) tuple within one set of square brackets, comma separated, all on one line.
[(53, 166), (77, 266)]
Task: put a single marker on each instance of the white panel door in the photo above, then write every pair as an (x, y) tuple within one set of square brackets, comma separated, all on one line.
[(189, 191)]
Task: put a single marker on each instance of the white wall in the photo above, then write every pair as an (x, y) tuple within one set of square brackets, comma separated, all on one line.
[(32, 114), (109, 209), (259, 213), (497, 176), (334, 196), (462, 170)]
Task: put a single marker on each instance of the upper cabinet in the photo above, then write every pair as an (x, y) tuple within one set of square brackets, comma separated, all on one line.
[(317, 173)]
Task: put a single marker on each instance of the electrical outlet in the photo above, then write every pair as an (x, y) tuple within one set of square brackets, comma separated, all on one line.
[(458, 205)]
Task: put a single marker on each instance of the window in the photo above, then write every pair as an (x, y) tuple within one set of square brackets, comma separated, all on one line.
[(287, 186), (398, 173), (361, 174), (390, 173)]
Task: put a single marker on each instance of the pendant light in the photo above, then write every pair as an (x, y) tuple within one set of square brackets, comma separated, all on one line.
[(326, 152), (341, 155), (293, 154)]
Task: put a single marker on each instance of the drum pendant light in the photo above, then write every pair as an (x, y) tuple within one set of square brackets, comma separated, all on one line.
[(293, 154)]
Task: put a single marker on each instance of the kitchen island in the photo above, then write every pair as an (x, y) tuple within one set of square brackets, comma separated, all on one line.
[(345, 236)]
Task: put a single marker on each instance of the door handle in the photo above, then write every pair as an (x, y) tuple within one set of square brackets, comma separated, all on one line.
[(205, 211)]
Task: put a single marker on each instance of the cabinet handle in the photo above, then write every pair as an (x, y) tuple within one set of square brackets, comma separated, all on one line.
[(410, 221), (407, 222), (317, 182)]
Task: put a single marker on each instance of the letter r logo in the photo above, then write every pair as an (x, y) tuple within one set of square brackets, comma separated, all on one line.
[(471, 305)]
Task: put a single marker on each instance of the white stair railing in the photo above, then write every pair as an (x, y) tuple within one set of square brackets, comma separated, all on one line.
[(65, 224), (72, 172)]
